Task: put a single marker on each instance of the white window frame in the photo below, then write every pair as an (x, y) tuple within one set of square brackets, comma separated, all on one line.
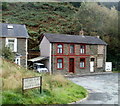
[(82, 50), (17, 60), (59, 64), (59, 49), (82, 63), (15, 43), (72, 48)]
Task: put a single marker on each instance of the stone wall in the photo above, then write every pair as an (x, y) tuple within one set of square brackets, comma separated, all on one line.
[(21, 49), (91, 52)]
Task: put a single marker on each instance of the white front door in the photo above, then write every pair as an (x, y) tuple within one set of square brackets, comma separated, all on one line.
[(17, 60), (92, 66)]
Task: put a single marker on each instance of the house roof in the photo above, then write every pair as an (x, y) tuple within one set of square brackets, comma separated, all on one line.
[(13, 30), (38, 58), (73, 39)]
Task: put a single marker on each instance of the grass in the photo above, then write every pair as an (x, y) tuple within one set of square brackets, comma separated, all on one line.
[(56, 88), (116, 71)]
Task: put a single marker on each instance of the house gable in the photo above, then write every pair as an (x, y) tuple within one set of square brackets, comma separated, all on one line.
[(15, 36), (45, 47)]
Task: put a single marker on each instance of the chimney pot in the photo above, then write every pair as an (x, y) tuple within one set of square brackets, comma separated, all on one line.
[(81, 32)]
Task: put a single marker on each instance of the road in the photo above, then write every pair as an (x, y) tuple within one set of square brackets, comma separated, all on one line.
[(103, 89)]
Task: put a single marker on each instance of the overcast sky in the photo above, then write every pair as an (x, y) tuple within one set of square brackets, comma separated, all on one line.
[(59, 0)]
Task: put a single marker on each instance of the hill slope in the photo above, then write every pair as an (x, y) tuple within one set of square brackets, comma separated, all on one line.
[(56, 89), (67, 18), (12, 74)]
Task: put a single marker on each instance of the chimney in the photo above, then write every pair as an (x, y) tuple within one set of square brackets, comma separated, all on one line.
[(81, 32)]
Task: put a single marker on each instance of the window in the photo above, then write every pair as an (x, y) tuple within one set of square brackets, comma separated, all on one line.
[(82, 62), (82, 49), (60, 48), (60, 63), (12, 44), (72, 49)]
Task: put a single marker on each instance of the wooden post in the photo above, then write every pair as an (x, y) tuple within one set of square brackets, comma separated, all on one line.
[(40, 84), (22, 86)]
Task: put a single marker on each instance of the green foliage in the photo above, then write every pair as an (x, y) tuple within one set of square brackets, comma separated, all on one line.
[(4, 6), (68, 18), (6, 53), (95, 18), (56, 89)]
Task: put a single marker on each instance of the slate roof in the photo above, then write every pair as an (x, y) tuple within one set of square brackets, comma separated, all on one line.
[(18, 31), (73, 39)]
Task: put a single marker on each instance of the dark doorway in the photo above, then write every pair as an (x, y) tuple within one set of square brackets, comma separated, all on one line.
[(71, 65)]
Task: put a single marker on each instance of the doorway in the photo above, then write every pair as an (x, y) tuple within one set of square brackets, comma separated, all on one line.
[(71, 65), (92, 63)]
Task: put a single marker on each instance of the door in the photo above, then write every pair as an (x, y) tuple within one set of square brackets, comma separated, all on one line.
[(92, 65), (108, 66), (71, 65), (17, 60)]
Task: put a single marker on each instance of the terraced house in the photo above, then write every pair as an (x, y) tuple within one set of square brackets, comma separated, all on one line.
[(15, 37), (73, 53)]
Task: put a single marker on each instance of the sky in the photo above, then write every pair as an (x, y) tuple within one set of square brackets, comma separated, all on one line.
[(59, 0)]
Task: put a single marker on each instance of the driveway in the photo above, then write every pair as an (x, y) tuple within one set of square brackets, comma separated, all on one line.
[(103, 89)]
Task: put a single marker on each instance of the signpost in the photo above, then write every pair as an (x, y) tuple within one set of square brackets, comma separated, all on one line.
[(32, 82)]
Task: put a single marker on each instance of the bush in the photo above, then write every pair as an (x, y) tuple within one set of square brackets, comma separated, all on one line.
[(4, 6), (6, 53)]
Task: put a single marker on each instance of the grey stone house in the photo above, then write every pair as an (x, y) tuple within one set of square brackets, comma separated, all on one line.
[(73, 53), (15, 37)]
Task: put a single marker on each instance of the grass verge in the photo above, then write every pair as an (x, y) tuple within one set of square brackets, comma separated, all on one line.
[(56, 88)]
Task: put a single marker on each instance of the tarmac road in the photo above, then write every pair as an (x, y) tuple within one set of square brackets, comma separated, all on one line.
[(103, 89)]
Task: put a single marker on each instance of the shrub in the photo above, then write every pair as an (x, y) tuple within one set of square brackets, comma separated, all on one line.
[(6, 53)]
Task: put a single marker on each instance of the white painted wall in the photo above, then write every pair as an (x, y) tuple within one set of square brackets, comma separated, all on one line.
[(45, 49)]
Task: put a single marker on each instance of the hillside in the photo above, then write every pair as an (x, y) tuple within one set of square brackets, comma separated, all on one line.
[(67, 18), (41, 17), (55, 90), (12, 74)]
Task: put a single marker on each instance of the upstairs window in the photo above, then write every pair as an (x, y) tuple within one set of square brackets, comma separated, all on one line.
[(72, 49), (59, 48), (60, 63), (82, 49), (12, 44), (82, 62)]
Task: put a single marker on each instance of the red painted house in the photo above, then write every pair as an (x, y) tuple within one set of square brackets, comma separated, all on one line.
[(73, 53)]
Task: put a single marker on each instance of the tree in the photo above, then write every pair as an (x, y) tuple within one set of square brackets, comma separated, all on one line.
[(6, 53), (4, 6), (98, 19)]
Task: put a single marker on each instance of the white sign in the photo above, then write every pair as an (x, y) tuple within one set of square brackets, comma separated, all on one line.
[(32, 82), (108, 66)]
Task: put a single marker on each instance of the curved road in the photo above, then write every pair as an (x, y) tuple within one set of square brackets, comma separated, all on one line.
[(103, 89)]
